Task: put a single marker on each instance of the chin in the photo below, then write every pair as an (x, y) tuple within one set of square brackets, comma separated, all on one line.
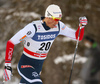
[(53, 27)]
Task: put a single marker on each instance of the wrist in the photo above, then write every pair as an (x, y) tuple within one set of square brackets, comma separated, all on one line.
[(80, 25), (7, 64)]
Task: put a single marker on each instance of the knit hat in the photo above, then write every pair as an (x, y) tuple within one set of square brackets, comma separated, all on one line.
[(53, 10)]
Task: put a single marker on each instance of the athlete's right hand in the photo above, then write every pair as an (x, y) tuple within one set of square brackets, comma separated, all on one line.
[(83, 20), (7, 73)]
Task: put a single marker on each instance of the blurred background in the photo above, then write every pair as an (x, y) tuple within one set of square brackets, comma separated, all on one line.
[(15, 14)]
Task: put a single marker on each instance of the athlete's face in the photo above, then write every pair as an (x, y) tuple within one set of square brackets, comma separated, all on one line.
[(51, 22)]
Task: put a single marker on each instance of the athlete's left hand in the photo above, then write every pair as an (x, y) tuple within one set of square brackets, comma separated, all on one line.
[(83, 21)]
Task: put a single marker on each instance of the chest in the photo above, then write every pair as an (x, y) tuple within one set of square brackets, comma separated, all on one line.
[(42, 34)]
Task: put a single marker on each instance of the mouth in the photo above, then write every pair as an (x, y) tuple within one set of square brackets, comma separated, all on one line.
[(54, 25)]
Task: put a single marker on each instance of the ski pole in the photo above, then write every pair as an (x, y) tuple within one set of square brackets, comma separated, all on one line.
[(75, 54)]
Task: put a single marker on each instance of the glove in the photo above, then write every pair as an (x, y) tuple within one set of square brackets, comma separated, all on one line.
[(83, 21), (7, 73)]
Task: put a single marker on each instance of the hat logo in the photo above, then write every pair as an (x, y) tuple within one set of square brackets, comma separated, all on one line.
[(49, 14), (56, 12), (60, 15)]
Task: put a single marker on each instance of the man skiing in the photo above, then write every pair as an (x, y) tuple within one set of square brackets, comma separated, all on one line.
[(38, 37)]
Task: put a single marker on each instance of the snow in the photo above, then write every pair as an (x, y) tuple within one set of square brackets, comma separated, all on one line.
[(66, 39), (87, 6), (68, 18), (2, 52), (78, 81), (21, 14), (27, 14), (2, 56), (8, 17), (69, 57), (2, 11), (1, 73), (14, 80)]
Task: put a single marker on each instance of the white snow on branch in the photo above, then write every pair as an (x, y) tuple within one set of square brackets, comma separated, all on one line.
[(27, 14), (64, 58)]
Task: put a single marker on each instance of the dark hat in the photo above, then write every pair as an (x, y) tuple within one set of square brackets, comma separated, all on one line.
[(89, 39)]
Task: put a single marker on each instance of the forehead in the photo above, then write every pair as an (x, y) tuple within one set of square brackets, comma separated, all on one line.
[(59, 16)]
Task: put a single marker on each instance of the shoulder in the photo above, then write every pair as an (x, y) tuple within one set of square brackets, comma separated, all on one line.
[(28, 26), (29, 29), (37, 22), (31, 25), (62, 25)]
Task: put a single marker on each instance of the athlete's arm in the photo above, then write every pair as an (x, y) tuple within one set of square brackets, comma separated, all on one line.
[(66, 31), (27, 31)]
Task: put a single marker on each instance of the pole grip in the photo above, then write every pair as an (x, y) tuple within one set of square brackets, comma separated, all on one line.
[(80, 26)]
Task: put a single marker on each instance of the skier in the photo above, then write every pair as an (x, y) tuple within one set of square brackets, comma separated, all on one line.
[(38, 37)]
